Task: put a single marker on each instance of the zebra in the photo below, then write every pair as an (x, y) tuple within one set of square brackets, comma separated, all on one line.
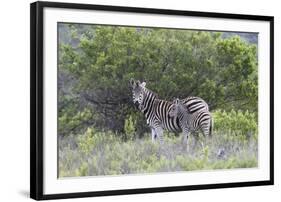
[(156, 111), (191, 122)]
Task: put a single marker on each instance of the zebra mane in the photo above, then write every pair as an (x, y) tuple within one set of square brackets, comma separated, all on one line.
[(146, 90)]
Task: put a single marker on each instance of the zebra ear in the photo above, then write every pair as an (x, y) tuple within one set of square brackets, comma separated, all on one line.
[(137, 83), (143, 84), (177, 101), (132, 83)]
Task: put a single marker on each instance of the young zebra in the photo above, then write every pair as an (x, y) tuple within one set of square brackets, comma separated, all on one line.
[(156, 111), (191, 122)]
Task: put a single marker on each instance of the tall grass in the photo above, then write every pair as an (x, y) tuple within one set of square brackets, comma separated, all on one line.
[(104, 153)]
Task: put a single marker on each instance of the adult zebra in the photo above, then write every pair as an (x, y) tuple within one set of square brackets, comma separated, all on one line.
[(156, 111)]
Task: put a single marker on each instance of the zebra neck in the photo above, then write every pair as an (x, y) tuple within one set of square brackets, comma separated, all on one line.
[(183, 115), (148, 103)]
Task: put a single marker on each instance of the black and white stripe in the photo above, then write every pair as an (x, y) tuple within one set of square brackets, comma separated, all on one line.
[(199, 119), (194, 104)]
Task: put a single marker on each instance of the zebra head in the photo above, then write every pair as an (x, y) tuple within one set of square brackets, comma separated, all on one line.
[(174, 108), (138, 90)]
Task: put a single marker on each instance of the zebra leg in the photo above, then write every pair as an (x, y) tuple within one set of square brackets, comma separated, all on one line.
[(159, 133), (207, 127), (153, 135), (207, 131), (185, 139)]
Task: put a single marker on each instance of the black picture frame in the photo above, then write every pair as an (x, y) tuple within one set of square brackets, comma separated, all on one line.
[(36, 98)]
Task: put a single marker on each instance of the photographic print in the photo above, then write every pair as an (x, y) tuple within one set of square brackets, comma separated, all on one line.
[(137, 100), (128, 100)]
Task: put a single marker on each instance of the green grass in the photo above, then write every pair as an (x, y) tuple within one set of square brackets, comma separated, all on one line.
[(104, 153)]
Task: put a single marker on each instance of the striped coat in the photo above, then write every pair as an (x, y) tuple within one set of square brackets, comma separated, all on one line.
[(156, 110), (200, 119)]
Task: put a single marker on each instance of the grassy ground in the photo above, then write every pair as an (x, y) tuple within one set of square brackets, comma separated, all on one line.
[(103, 153)]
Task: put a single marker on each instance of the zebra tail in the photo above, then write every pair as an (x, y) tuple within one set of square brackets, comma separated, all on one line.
[(211, 127)]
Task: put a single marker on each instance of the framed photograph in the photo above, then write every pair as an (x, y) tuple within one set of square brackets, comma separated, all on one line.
[(129, 100)]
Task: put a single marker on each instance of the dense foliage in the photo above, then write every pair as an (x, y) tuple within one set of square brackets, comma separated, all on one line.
[(96, 63)]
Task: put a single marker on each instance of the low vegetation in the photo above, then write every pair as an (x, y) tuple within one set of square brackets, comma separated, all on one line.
[(105, 153)]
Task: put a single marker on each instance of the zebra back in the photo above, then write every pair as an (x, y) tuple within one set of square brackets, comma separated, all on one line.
[(195, 104), (201, 119)]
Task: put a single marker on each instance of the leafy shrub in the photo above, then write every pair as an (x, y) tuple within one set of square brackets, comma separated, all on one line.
[(129, 128), (93, 139), (236, 122), (71, 120), (86, 142)]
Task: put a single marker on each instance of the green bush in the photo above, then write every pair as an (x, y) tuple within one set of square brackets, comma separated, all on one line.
[(130, 128), (236, 122), (87, 141), (71, 120), (93, 139), (98, 62)]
